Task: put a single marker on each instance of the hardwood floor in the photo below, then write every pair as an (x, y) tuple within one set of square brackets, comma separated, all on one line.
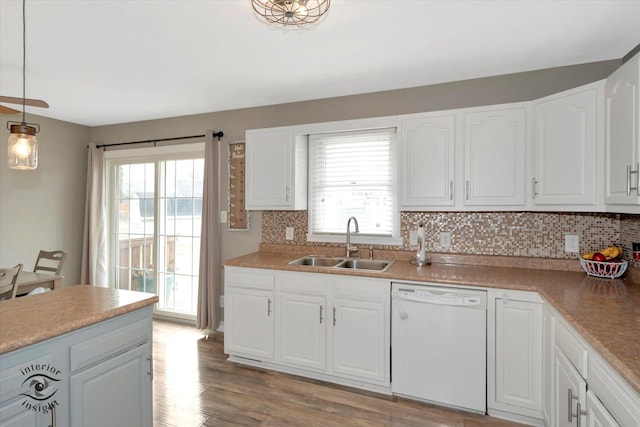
[(194, 385)]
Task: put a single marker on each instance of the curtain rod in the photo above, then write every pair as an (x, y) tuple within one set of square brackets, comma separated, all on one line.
[(218, 135)]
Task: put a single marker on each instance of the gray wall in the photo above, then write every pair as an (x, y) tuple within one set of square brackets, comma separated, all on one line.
[(485, 91), (44, 209)]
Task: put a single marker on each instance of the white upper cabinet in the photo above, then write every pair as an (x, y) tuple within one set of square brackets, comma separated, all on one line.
[(494, 156), (567, 141), (428, 160), (276, 170), (622, 137)]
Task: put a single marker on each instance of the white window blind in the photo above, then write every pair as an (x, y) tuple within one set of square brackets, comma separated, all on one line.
[(351, 174)]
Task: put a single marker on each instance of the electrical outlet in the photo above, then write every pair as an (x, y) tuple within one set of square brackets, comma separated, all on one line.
[(288, 233), (223, 217), (445, 239), (572, 243), (413, 237)]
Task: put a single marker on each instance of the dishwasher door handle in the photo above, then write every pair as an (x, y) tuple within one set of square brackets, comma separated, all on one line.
[(401, 311)]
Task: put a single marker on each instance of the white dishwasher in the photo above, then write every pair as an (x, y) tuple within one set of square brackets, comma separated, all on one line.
[(439, 345)]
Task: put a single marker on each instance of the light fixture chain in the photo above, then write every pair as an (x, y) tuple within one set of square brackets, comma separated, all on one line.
[(24, 58)]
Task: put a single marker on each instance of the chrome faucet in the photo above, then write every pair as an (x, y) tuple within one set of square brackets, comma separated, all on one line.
[(351, 249)]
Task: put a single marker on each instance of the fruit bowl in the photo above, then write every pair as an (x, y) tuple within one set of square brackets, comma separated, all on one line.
[(607, 269)]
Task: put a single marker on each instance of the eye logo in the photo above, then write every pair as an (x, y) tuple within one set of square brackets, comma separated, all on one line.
[(40, 387)]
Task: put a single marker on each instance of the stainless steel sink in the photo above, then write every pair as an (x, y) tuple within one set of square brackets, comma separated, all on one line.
[(378, 265), (317, 261), (366, 264)]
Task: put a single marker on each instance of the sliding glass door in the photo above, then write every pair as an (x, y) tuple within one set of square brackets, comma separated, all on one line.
[(156, 206)]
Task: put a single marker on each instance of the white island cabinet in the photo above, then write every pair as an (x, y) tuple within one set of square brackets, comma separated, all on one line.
[(97, 373)]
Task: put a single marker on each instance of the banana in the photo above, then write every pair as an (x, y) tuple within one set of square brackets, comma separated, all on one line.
[(588, 255), (610, 252)]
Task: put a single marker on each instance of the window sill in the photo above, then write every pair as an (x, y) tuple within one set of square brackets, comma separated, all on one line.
[(355, 239)]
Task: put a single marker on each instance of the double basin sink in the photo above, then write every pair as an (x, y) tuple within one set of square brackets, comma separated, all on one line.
[(355, 264)]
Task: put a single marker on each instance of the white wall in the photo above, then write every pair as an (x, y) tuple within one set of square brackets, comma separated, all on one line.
[(44, 209)]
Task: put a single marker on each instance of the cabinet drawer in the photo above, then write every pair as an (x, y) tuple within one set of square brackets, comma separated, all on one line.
[(572, 348), (249, 280), (13, 375), (101, 347)]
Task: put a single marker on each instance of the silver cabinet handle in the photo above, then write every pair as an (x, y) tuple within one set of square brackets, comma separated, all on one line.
[(334, 316), (269, 307), (450, 190), (579, 411), (534, 182), (635, 172), (150, 373), (467, 189), (287, 194), (321, 315), (53, 416)]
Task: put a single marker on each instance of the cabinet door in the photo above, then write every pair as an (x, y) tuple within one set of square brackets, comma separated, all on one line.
[(597, 414), (116, 392), (518, 357), (359, 339), (548, 366), (269, 173), (494, 150), (622, 114), (428, 161), (570, 391), (14, 414), (303, 338), (565, 149), (249, 322)]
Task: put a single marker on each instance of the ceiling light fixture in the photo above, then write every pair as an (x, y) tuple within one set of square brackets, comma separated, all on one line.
[(291, 12), (23, 145)]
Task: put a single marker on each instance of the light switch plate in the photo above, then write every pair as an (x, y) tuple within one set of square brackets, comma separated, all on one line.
[(288, 233), (572, 243), (223, 217)]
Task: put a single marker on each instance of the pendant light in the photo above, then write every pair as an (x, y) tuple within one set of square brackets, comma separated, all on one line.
[(23, 145)]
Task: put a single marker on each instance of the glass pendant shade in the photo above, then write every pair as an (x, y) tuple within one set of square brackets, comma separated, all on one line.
[(291, 12), (23, 148)]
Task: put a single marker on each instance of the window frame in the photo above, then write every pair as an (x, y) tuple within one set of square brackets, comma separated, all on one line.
[(360, 125)]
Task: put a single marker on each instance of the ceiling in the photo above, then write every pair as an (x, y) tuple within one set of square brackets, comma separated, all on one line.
[(100, 62)]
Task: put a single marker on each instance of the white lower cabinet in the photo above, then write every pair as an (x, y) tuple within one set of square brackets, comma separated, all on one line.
[(514, 368), (548, 366), (571, 393), (361, 323), (329, 327), (302, 317), (100, 375), (587, 391)]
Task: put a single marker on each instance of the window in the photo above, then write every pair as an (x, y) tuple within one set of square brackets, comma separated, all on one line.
[(353, 174), (155, 205)]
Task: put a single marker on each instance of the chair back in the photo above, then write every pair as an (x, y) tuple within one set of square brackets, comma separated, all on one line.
[(49, 262), (9, 281)]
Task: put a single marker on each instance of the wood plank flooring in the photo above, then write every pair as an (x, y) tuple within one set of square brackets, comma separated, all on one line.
[(194, 385)]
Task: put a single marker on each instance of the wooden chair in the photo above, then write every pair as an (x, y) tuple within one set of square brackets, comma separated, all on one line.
[(49, 262), (9, 281)]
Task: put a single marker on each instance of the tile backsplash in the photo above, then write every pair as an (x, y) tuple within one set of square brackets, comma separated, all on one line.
[(528, 234)]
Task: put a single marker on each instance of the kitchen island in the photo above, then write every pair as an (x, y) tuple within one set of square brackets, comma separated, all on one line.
[(80, 355)]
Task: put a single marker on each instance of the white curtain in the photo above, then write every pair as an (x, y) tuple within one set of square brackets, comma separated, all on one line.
[(209, 287), (94, 250)]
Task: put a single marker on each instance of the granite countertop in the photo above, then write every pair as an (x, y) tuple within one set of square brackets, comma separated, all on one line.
[(606, 312), (29, 320)]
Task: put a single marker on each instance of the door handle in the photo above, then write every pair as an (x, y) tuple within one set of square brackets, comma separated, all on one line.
[(269, 307), (321, 315), (534, 182)]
